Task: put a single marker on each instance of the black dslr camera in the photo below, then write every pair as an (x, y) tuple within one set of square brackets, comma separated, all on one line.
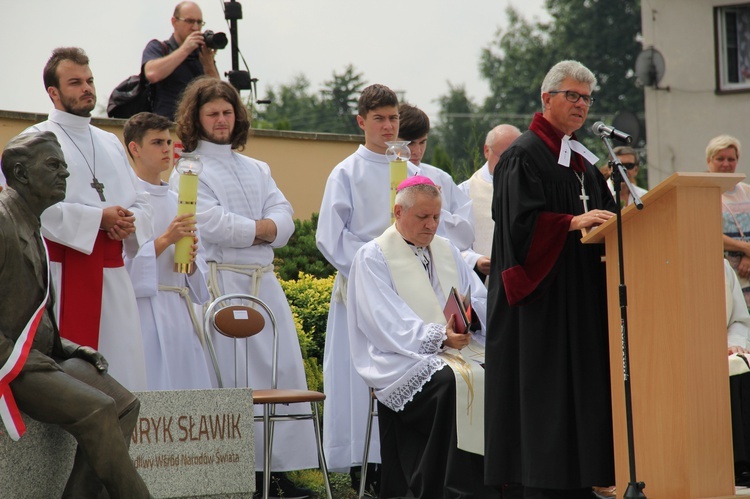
[(215, 40)]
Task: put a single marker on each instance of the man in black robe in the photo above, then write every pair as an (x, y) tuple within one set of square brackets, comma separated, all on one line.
[(548, 412)]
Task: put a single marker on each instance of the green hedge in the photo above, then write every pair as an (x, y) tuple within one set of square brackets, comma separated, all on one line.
[(301, 254), (309, 298)]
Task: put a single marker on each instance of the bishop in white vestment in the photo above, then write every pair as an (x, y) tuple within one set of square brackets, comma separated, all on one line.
[(402, 347), (356, 208)]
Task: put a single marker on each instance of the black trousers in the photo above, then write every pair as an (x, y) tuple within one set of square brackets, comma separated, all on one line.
[(739, 397), (418, 447), (99, 413)]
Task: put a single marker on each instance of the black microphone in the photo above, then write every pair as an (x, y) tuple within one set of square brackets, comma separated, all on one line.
[(602, 130)]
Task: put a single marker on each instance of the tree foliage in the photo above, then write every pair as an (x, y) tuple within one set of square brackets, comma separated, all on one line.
[(459, 136), (295, 106), (301, 253), (602, 35)]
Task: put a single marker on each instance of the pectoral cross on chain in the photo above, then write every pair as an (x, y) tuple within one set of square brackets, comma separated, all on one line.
[(99, 187), (583, 197)]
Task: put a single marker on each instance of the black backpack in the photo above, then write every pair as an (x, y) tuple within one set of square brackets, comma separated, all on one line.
[(131, 96)]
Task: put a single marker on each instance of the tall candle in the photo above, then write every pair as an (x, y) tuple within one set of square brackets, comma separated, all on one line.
[(398, 175), (187, 198), (398, 155)]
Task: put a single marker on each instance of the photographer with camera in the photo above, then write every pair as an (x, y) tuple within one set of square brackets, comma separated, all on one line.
[(169, 66)]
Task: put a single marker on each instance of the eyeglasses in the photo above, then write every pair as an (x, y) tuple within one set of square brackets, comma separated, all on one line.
[(199, 22), (629, 166), (574, 96)]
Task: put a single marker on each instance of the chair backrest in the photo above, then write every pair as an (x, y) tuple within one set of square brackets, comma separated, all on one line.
[(238, 321), (238, 316)]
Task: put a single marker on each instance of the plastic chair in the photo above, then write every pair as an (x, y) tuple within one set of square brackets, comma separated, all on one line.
[(368, 434), (241, 321)]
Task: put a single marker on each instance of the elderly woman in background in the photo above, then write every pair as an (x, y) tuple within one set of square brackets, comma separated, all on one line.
[(722, 154)]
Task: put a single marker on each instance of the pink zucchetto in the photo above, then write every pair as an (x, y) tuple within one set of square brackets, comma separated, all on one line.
[(415, 180)]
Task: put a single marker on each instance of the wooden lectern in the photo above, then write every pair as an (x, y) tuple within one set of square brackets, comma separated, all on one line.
[(677, 339)]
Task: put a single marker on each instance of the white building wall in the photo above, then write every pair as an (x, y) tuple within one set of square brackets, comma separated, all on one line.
[(681, 121)]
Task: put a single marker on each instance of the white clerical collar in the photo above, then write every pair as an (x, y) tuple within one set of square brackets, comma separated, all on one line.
[(567, 145), (69, 120), (371, 155), (211, 149), (484, 172)]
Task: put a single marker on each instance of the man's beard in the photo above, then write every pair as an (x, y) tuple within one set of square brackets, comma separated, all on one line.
[(211, 137), (71, 105)]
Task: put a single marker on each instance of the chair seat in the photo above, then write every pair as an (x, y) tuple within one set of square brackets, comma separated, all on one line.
[(283, 396)]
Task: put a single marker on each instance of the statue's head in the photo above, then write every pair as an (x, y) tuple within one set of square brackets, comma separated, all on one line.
[(34, 166)]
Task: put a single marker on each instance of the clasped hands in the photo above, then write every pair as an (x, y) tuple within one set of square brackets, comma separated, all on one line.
[(117, 222)]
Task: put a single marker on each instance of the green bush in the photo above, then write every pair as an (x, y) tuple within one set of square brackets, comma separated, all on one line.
[(301, 253), (309, 298)]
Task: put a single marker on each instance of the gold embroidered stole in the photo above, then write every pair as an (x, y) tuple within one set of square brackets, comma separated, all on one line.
[(413, 286)]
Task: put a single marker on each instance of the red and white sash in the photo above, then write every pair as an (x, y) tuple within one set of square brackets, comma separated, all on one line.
[(9, 412)]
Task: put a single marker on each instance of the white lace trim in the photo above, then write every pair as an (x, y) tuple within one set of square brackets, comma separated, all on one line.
[(435, 337), (421, 374)]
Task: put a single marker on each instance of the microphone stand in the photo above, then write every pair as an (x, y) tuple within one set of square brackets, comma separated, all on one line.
[(635, 488)]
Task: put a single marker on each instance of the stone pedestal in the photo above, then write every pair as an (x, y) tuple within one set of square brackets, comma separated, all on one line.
[(187, 443)]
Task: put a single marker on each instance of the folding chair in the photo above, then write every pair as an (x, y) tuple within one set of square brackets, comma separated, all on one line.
[(241, 321), (368, 434)]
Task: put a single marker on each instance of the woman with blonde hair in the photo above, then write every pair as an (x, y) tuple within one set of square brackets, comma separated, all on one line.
[(722, 155)]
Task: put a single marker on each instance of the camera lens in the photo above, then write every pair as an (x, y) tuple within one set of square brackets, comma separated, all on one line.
[(215, 40)]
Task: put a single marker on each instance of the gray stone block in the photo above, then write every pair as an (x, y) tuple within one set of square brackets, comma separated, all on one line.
[(188, 443)]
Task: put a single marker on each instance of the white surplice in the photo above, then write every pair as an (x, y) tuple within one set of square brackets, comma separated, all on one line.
[(175, 358), (75, 222), (479, 188), (392, 345), (356, 209), (234, 191)]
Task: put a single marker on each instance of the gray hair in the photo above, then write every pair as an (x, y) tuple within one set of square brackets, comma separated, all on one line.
[(406, 198), (567, 69)]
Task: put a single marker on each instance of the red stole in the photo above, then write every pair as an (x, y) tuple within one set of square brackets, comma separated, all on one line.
[(9, 412), (81, 287)]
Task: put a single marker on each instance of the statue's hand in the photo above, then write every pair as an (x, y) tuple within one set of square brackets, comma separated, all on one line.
[(93, 357)]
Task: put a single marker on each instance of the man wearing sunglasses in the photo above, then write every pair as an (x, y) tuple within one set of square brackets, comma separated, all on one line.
[(629, 159), (169, 66)]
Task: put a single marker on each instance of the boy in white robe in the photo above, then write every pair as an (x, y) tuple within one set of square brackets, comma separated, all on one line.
[(88, 231), (242, 215), (172, 331), (403, 348)]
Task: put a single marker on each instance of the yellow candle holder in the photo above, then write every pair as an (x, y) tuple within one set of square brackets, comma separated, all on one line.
[(398, 155), (189, 167)]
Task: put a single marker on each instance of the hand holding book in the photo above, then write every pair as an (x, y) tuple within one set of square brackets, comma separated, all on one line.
[(454, 339), (456, 307)]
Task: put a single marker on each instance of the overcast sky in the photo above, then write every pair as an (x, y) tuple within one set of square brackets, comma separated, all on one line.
[(415, 46)]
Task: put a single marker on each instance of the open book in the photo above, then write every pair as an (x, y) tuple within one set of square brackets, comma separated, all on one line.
[(460, 309)]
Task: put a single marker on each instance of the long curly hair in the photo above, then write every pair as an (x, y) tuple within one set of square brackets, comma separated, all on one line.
[(199, 92)]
